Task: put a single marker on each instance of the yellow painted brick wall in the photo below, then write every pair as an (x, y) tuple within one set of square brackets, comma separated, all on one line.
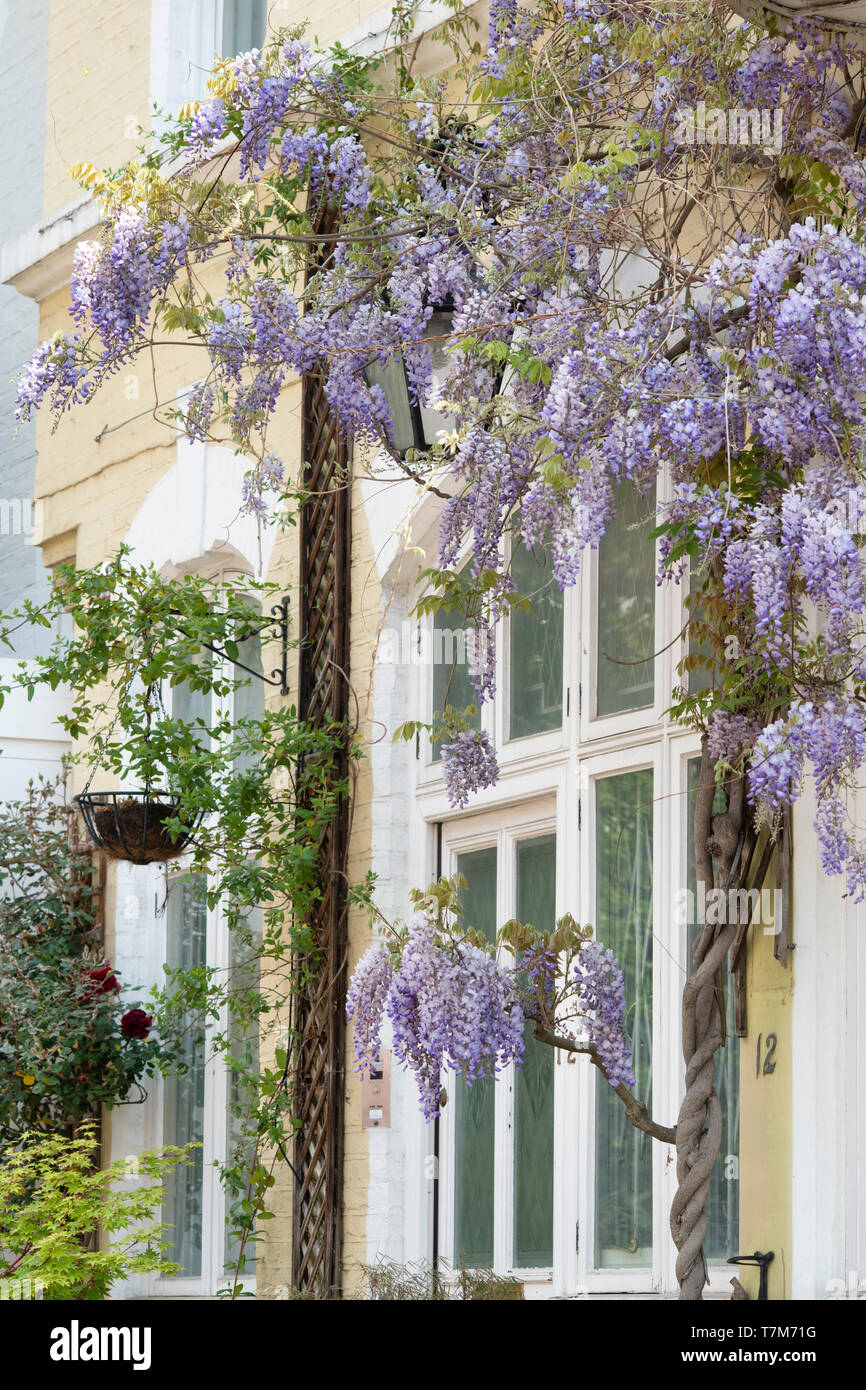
[(97, 469), (98, 88)]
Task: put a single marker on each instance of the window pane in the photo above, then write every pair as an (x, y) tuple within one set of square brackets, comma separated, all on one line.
[(535, 656), (474, 1106), (723, 1201), (533, 1087), (249, 699), (244, 975), (701, 677), (623, 922), (183, 1113), (452, 684), (192, 706), (244, 26), (626, 605)]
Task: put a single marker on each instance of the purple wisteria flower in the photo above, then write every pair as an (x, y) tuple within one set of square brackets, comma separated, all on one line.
[(600, 990), (450, 1005), (365, 1004), (468, 765), (114, 282), (266, 477), (207, 128)]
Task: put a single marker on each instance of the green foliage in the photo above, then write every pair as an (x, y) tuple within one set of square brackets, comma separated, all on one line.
[(53, 1199), (258, 789), (62, 1051)]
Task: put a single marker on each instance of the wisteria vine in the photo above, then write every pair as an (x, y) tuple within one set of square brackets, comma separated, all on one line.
[(455, 1002), (645, 220), (732, 370)]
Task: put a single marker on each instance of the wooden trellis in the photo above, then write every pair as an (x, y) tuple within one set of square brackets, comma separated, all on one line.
[(320, 1014)]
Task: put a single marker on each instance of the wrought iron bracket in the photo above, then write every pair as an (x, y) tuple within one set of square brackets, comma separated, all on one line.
[(762, 1261), (278, 626)]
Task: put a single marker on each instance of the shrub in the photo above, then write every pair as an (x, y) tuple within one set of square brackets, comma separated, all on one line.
[(54, 1200)]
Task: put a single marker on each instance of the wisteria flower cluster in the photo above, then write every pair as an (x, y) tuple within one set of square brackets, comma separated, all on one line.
[(468, 765), (701, 357), (832, 737), (452, 1004), (600, 992), (449, 1003)]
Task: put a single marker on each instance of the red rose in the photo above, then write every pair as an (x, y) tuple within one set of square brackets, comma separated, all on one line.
[(104, 980), (136, 1024)]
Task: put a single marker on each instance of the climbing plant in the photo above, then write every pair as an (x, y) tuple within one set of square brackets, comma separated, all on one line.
[(642, 291), (256, 789), (67, 1042)]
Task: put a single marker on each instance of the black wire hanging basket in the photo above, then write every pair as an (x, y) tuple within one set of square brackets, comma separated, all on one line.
[(132, 825)]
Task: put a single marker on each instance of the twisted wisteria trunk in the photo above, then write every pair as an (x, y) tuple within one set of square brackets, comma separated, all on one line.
[(699, 1125)]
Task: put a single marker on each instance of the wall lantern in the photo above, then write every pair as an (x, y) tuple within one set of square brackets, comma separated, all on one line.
[(414, 425)]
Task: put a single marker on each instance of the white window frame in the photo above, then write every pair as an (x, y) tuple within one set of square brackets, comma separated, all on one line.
[(216, 1086), (504, 830), (562, 769), (513, 754), (185, 36)]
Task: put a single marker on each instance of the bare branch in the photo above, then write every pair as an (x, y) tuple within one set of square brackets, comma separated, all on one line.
[(634, 1108)]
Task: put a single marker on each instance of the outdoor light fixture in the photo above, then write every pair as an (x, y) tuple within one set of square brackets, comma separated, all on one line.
[(414, 426)]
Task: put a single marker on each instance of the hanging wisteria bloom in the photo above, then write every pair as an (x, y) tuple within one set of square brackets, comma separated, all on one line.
[(365, 1004), (450, 1005), (468, 765), (453, 1005), (600, 992)]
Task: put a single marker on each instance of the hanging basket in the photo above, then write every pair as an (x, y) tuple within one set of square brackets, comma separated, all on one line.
[(131, 825)]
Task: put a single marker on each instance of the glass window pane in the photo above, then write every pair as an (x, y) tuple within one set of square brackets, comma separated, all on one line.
[(245, 24), (700, 677), (452, 684), (244, 975), (192, 706), (626, 605), (533, 1088), (623, 922), (723, 1201), (183, 1111), (535, 656), (249, 699), (474, 1106)]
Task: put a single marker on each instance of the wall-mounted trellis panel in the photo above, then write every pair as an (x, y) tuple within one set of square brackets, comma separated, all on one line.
[(320, 976)]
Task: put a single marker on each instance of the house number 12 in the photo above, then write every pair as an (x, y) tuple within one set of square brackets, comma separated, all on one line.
[(769, 1054)]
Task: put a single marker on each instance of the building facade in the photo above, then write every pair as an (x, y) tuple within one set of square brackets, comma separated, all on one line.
[(537, 1173), (30, 742)]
